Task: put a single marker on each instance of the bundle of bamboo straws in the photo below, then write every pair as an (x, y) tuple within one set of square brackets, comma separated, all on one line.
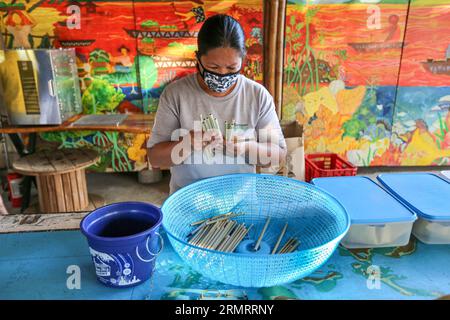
[(219, 233), (211, 123), (222, 234)]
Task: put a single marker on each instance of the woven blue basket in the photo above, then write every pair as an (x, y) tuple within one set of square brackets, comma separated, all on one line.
[(314, 217)]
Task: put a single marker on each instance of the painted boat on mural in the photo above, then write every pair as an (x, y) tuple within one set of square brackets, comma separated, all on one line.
[(375, 46), (75, 43), (140, 34), (439, 66)]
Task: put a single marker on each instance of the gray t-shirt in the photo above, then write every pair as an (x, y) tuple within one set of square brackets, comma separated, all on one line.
[(182, 102)]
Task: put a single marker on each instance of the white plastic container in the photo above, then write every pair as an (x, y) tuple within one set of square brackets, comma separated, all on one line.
[(428, 195), (377, 218)]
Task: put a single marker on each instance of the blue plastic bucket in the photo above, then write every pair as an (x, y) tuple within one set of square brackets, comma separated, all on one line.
[(123, 242)]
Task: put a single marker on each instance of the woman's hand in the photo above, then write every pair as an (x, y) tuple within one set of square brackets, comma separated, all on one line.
[(200, 140)]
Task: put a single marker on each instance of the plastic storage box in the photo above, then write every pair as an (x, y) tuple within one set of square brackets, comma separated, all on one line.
[(428, 195), (327, 165), (377, 218)]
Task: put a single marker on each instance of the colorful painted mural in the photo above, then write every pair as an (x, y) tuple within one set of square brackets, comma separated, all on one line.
[(127, 52), (370, 79)]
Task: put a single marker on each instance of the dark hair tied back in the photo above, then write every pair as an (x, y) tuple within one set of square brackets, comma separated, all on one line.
[(221, 31)]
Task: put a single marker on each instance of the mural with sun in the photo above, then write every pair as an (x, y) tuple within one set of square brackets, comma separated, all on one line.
[(127, 52)]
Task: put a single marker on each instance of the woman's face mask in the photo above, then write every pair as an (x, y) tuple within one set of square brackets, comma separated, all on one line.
[(219, 83)]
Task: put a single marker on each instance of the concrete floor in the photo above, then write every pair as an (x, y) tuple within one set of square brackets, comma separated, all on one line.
[(116, 187)]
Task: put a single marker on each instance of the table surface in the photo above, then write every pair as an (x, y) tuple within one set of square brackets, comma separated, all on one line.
[(134, 123), (55, 161), (37, 266)]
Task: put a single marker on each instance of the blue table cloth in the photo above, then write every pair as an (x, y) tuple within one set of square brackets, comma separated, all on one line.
[(39, 265)]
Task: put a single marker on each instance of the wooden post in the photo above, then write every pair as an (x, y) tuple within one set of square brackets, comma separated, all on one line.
[(272, 45), (280, 58), (266, 23), (274, 19)]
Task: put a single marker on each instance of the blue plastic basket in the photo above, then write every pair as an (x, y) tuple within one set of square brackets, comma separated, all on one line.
[(316, 218)]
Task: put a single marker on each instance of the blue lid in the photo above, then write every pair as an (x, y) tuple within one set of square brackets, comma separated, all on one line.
[(364, 200), (425, 193)]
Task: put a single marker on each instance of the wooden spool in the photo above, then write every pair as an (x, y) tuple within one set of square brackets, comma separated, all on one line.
[(60, 177)]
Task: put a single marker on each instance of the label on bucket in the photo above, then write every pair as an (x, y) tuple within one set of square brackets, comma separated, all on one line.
[(114, 269)]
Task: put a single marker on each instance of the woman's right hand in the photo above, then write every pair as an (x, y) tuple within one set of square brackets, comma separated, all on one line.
[(199, 140)]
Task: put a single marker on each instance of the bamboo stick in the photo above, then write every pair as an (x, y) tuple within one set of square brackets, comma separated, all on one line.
[(228, 226), (227, 239), (258, 242), (287, 245), (220, 235), (215, 233), (233, 237), (197, 229), (210, 234), (279, 238), (240, 238), (224, 218), (209, 219), (199, 236), (203, 236), (292, 247), (222, 244)]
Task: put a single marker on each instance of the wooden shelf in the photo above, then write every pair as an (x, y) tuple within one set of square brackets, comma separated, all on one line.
[(135, 123)]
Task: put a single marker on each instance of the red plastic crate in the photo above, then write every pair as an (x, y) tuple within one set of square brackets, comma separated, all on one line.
[(327, 165)]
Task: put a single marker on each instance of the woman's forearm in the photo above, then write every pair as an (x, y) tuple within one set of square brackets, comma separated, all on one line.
[(160, 155)]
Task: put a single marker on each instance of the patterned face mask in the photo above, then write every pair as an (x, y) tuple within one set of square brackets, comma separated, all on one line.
[(219, 83)]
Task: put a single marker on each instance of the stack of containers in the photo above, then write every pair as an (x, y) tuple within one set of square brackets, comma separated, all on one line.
[(428, 195), (377, 219)]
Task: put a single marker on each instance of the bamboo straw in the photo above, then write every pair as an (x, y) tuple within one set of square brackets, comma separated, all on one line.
[(236, 231), (210, 234), (235, 237), (204, 235), (197, 238), (216, 123), (291, 247), (223, 243), (209, 219), (220, 235), (262, 234), (215, 233), (224, 218), (290, 242), (197, 229), (294, 247), (228, 226), (211, 123), (227, 239), (279, 238), (240, 238)]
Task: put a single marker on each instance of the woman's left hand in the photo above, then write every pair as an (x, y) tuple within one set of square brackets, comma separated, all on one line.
[(238, 148)]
